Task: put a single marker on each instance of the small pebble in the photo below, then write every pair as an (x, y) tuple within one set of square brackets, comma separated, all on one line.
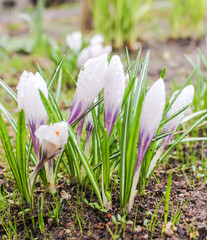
[(67, 231), (168, 229), (50, 221), (65, 195)]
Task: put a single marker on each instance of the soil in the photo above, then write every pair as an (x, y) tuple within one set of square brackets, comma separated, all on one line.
[(78, 220)]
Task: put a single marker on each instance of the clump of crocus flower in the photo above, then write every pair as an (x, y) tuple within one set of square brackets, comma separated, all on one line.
[(151, 116), (52, 139), (96, 75), (94, 49)]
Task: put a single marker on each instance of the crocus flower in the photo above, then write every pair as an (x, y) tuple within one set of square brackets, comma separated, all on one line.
[(53, 139), (114, 87), (184, 99), (150, 118), (29, 100), (96, 39), (90, 82), (74, 41), (92, 51)]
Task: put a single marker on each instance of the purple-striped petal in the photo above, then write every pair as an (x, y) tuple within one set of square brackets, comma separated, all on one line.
[(185, 98), (151, 115), (90, 83), (114, 87), (29, 100)]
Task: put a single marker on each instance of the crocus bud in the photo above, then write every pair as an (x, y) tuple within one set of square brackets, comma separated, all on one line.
[(52, 138), (90, 83), (185, 98), (151, 116), (29, 100), (114, 87), (91, 52), (74, 41), (96, 39)]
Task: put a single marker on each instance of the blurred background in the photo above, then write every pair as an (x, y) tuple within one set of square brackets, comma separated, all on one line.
[(34, 31)]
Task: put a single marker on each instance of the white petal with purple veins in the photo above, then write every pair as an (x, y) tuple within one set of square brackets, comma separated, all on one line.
[(185, 98), (114, 87), (151, 115), (52, 138), (28, 97), (29, 100), (150, 118), (90, 83)]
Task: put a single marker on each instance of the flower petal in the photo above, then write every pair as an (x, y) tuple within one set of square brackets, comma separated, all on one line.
[(185, 98), (28, 97), (91, 52), (114, 87), (151, 115), (74, 41), (96, 39), (90, 83)]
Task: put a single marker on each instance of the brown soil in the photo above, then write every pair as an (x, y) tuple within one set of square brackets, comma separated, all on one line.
[(96, 224)]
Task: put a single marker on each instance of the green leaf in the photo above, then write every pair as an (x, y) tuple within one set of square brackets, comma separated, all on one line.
[(73, 143), (174, 115), (179, 139), (21, 154), (54, 75), (59, 85), (8, 90), (14, 126), (9, 153), (180, 90), (167, 197), (106, 169), (162, 75), (21, 144)]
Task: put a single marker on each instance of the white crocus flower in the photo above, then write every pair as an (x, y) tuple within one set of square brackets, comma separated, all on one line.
[(29, 100), (74, 41), (91, 52), (150, 118), (114, 87), (184, 99), (90, 82), (96, 39), (53, 139)]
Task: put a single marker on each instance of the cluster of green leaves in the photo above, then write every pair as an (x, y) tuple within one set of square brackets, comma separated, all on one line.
[(200, 100), (117, 20), (186, 17)]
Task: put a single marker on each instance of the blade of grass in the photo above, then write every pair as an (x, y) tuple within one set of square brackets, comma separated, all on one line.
[(167, 197), (8, 90)]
